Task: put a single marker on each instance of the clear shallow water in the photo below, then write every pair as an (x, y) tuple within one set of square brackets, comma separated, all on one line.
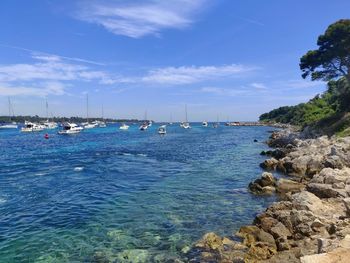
[(108, 192)]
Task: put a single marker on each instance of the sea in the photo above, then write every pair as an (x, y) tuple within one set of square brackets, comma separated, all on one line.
[(110, 195)]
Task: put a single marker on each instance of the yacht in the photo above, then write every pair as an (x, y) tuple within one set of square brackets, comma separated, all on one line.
[(102, 124), (205, 124), (70, 128), (10, 125), (32, 127), (144, 126), (50, 125), (124, 127), (162, 130)]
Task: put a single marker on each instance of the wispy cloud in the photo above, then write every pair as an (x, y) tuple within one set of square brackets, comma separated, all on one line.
[(49, 55), (140, 18), (193, 74), (224, 91), (39, 90)]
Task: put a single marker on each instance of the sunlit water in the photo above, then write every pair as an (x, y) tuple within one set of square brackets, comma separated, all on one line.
[(127, 196)]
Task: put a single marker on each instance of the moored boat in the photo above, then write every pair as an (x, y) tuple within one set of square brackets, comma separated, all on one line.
[(32, 127), (124, 127), (162, 130), (70, 128)]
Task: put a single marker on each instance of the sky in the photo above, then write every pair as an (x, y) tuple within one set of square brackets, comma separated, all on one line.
[(226, 59)]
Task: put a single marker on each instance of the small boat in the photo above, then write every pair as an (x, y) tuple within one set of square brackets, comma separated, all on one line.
[(162, 130), (124, 127), (32, 127), (49, 125), (144, 126), (88, 125), (186, 124), (149, 123), (205, 124), (102, 124), (70, 128), (9, 125)]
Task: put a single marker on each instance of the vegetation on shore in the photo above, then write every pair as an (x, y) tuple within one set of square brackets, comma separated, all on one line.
[(36, 118), (327, 113)]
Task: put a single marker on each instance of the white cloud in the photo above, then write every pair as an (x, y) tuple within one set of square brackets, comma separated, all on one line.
[(193, 74), (224, 91), (140, 18), (258, 86), (41, 90)]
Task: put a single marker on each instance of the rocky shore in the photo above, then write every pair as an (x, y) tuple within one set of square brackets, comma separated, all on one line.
[(311, 220)]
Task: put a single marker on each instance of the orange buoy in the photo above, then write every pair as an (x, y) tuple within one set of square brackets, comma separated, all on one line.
[(46, 136)]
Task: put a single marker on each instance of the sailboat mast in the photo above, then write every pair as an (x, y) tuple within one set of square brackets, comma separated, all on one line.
[(47, 110), (102, 112), (9, 101), (87, 107), (186, 112)]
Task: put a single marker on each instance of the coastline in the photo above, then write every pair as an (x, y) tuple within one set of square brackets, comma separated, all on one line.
[(310, 221)]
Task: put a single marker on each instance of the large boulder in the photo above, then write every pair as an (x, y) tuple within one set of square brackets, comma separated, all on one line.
[(210, 241), (307, 201), (280, 231), (269, 164), (263, 185), (325, 191), (286, 185)]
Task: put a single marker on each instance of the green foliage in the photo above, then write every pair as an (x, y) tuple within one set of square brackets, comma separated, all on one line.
[(303, 114), (331, 60)]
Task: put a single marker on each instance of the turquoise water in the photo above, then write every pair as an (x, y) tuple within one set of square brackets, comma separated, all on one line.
[(128, 196)]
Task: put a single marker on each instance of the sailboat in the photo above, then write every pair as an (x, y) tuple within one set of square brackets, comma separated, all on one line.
[(10, 125), (216, 125), (186, 124), (88, 125), (144, 126), (102, 124), (47, 124), (205, 124), (124, 127), (171, 119)]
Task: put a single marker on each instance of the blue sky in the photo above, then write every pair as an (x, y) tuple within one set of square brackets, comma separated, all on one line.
[(236, 59)]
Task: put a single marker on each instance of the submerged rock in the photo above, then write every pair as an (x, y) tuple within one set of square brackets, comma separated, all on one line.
[(133, 256)]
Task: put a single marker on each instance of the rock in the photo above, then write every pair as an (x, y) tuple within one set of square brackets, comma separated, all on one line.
[(267, 179), (316, 224), (257, 240), (282, 244), (325, 191), (334, 162), (263, 185), (269, 164), (340, 185), (278, 154), (280, 231), (210, 241), (133, 256), (286, 185), (307, 201), (266, 223), (346, 202)]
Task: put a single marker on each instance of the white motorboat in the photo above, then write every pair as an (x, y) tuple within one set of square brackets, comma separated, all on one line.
[(9, 126), (124, 127), (89, 125), (50, 125), (70, 128), (162, 130), (144, 126), (32, 127), (205, 124), (102, 124)]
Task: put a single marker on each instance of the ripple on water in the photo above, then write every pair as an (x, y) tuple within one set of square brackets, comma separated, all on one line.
[(140, 195)]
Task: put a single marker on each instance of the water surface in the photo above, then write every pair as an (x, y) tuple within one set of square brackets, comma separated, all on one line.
[(110, 193)]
